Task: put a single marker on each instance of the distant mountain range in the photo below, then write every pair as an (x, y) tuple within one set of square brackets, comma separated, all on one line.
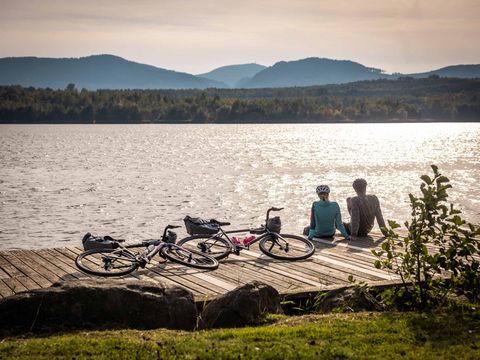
[(233, 75), (456, 71), (312, 71), (95, 72), (113, 72)]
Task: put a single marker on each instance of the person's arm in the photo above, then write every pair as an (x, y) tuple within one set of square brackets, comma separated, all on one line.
[(379, 216), (355, 218), (312, 218), (349, 205), (339, 223), (311, 233)]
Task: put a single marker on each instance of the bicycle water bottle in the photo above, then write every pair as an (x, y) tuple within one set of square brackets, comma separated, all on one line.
[(248, 240)]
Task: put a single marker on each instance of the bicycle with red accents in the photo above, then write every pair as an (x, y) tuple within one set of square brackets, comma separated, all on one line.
[(209, 238)]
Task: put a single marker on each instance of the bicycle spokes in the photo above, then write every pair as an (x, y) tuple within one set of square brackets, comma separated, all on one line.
[(282, 245), (286, 247), (207, 245)]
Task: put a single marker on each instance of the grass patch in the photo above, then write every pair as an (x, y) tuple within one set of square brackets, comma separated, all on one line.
[(450, 335)]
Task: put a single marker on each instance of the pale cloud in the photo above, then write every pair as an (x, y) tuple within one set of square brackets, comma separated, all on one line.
[(196, 36)]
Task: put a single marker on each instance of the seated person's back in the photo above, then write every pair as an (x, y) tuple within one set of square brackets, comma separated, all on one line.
[(363, 210), (325, 216)]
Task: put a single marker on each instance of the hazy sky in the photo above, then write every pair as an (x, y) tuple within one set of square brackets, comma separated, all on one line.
[(198, 35)]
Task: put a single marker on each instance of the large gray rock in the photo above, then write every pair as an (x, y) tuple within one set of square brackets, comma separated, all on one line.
[(245, 305), (100, 303), (350, 298)]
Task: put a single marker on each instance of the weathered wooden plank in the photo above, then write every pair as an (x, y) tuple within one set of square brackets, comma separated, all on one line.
[(28, 270), (264, 271), (344, 248), (196, 286), (54, 265), (242, 276), (11, 270), (65, 263), (3, 274), (304, 269), (165, 275), (321, 271), (356, 268), (67, 253), (21, 275), (28, 282), (17, 263), (210, 278), (40, 265), (59, 255), (246, 271), (274, 266), (346, 263), (317, 271), (350, 258), (5, 290), (15, 285)]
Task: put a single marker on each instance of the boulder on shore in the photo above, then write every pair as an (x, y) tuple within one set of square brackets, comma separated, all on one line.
[(243, 306), (103, 303), (349, 298)]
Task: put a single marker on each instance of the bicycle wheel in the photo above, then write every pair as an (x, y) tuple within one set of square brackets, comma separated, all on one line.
[(107, 262), (286, 247), (190, 258), (215, 246)]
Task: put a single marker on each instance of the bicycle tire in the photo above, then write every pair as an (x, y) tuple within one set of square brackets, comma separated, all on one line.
[(190, 258), (107, 262), (214, 246), (286, 247)]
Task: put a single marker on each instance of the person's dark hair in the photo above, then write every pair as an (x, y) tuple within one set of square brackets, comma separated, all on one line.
[(360, 185)]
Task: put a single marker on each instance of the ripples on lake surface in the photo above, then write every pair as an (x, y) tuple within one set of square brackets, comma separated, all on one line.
[(59, 181)]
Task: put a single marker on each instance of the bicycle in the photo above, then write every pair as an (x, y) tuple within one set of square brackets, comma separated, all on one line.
[(121, 260), (215, 242)]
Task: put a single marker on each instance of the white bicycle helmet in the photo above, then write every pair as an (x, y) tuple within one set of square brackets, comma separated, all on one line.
[(323, 189)]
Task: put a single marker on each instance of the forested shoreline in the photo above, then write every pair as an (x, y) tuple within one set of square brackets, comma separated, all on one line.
[(405, 99)]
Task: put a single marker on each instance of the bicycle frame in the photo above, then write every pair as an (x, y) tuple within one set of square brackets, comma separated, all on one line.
[(146, 256), (264, 233)]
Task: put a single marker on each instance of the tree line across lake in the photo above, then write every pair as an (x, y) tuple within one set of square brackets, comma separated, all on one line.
[(404, 99)]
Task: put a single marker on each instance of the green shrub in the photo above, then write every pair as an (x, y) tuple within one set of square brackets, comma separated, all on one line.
[(440, 253)]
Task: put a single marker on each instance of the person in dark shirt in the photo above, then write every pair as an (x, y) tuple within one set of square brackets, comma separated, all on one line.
[(363, 209)]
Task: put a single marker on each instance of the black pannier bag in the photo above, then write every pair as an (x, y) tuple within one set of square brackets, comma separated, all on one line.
[(197, 226), (274, 224), (91, 242)]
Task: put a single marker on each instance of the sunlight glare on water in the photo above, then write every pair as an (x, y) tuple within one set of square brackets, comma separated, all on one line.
[(59, 181)]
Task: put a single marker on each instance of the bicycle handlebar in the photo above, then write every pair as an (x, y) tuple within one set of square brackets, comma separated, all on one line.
[(167, 228), (268, 213)]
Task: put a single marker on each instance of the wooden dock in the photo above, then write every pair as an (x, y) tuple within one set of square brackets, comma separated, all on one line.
[(330, 267)]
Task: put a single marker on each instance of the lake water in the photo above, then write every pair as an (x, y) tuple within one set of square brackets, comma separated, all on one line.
[(59, 181)]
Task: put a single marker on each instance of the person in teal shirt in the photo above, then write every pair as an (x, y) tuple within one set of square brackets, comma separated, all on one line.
[(325, 216)]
